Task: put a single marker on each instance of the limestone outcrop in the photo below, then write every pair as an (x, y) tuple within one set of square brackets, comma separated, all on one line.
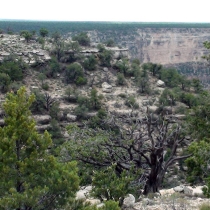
[(15, 45)]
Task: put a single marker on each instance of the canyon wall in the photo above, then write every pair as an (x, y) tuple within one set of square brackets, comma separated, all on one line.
[(162, 45), (180, 48)]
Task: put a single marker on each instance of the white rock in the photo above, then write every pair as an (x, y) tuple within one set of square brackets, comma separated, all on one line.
[(34, 87), (100, 205), (43, 119), (5, 54), (106, 87), (160, 83), (66, 135), (129, 201), (88, 188), (179, 188), (81, 195), (188, 190), (105, 69), (93, 201), (71, 117), (1, 122), (198, 191), (153, 108), (40, 54)]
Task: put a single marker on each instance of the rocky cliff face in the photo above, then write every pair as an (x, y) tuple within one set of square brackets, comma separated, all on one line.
[(180, 48), (165, 46), (170, 46)]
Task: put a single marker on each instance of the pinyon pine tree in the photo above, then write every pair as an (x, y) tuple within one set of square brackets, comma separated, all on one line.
[(31, 178)]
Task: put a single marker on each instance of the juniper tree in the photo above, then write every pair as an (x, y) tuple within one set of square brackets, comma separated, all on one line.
[(31, 178)]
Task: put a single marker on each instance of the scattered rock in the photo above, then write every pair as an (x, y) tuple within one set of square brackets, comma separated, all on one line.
[(105, 69), (106, 88), (93, 201), (1, 122), (88, 188), (34, 87), (43, 119), (66, 135), (147, 201), (198, 191), (153, 109), (43, 127), (100, 205), (129, 201), (179, 189), (5, 54), (81, 195), (71, 117), (160, 83)]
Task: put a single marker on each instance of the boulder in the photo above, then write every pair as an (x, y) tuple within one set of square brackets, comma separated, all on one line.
[(106, 88), (81, 195), (71, 117), (198, 191), (105, 69), (40, 54), (5, 54), (66, 135), (167, 110), (34, 87), (101, 205), (42, 119), (188, 190), (152, 109), (179, 189), (129, 201), (93, 201), (43, 127), (2, 122), (88, 188), (160, 83)]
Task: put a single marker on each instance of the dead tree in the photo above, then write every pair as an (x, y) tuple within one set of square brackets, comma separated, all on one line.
[(49, 101), (142, 143)]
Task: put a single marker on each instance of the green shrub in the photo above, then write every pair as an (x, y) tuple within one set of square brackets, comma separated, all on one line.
[(107, 185), (123, 66), (74, 73), (14, 69), (81, 81), (90, 63), (110, 43), (80, 205), (105, 56), (45, 86), (81, 111), (41, 40), (111, 205), (5, 81), (82, 39), (131, 102), (120, 79)]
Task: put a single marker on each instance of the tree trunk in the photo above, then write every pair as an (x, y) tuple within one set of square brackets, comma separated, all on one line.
[(157, 173), (154, 182)]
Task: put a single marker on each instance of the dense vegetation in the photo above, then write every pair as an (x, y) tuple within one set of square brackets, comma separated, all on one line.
[(65, 27), (116, 154)]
